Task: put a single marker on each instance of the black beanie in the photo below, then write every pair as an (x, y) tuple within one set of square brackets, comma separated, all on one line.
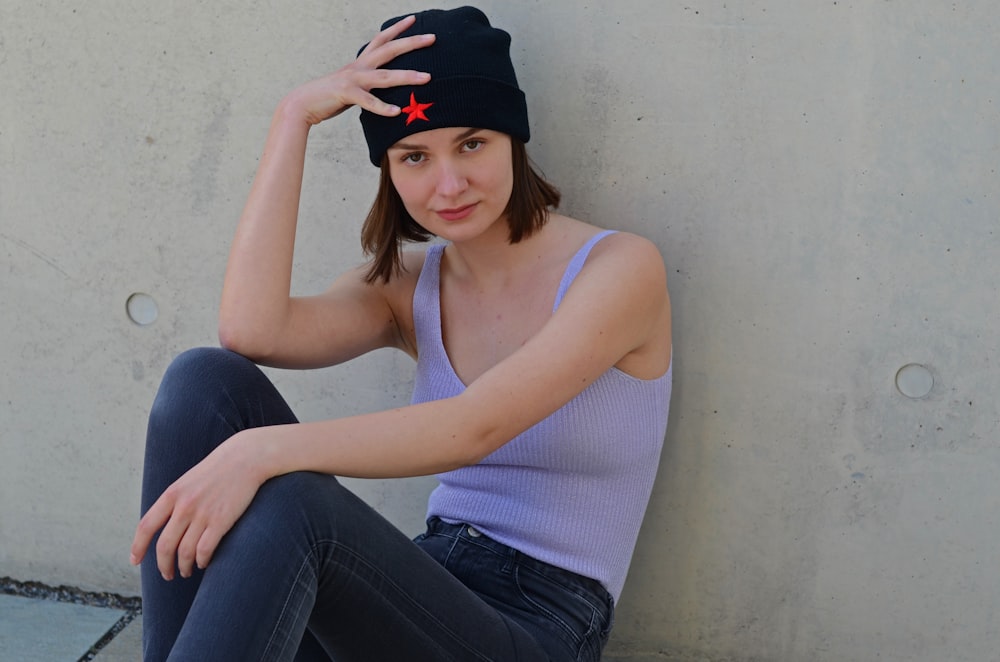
[(472, 82)]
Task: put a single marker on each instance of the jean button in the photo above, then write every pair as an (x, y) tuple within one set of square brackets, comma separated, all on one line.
[(473, 532)]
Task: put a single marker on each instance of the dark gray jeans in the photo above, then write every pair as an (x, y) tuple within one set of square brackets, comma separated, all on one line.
[(310, 572)]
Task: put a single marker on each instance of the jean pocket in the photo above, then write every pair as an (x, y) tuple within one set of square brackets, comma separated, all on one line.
[(577, 621)]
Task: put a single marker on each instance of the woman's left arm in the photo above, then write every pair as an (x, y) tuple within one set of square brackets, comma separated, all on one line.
[(612, 309), (618, 305)]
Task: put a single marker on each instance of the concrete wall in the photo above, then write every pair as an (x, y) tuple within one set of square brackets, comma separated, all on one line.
[(822, 180)]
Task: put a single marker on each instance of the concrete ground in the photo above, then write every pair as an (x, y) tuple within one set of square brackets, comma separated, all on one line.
[(125, 647), (45, 630)]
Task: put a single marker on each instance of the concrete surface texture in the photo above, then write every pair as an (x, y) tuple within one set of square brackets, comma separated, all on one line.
[(820, 176), (126, 647), (49, 631)]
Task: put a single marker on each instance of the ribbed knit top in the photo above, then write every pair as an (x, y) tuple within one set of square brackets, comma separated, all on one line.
[(572, 489)]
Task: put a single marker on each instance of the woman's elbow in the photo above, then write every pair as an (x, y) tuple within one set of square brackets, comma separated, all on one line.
[(235, 338)]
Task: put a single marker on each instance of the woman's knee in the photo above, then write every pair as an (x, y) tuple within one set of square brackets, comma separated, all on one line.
[(198, 402), (203, 366), (199, 376), (296, 508)]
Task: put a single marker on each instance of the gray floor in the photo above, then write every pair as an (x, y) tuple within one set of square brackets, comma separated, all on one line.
[(37, 630), (125, 647)]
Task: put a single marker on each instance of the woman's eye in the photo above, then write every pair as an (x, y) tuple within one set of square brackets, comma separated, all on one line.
[(472, 145), (414, 158)]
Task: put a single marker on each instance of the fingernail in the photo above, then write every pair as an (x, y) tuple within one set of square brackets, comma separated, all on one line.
[(423, 75), (394, 110), (132, 559)]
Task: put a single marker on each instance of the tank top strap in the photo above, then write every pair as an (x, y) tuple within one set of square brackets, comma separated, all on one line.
[(576, 264), (427, 302)]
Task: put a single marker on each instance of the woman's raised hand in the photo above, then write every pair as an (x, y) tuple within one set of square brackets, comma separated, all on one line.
[(351, 85)]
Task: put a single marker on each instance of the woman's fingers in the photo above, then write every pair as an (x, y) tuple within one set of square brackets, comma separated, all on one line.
[(373, 104), (180, 532), (383, 78), (167, 544), (185, 540), (393, 49), (186, 549), (376, 78), (390, 33), (351, 85), (354, 88), (151, 522), (205, 549)]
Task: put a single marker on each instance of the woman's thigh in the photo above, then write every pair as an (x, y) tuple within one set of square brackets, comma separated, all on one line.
[(206, 396), (311, 556)]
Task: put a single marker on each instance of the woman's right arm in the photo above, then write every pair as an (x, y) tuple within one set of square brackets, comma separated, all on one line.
[(257, 316)]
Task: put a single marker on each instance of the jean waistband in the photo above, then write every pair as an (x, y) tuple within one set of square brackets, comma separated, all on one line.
[(470, 533)]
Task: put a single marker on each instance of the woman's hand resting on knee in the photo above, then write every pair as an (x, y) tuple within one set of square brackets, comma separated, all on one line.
[(197, 510)]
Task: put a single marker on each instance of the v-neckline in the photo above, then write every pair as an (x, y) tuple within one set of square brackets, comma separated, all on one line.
[(570, 272)]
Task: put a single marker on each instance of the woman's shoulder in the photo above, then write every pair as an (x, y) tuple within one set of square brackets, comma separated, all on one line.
[(398, 293), (413, 261), (619, 244), (626, 272), (398, 290), (411, 265)]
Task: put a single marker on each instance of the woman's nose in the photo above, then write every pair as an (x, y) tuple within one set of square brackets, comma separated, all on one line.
[(451, 179)]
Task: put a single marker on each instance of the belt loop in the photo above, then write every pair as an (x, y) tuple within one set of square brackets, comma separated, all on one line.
[(510, 561)]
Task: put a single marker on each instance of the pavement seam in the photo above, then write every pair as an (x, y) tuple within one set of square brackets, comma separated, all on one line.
[(132, 606)]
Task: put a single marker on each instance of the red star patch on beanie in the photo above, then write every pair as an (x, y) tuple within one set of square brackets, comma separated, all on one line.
[(415, 111)]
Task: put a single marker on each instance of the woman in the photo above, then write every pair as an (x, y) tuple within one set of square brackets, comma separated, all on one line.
[(543, 381)]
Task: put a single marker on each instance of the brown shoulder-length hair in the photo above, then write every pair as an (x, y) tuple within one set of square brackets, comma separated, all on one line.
[(388, 224)]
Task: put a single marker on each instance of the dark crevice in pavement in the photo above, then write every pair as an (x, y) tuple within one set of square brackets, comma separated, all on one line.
[(132, 606)]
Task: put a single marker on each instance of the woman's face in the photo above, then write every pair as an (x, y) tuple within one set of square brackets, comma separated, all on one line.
[(454, 182)]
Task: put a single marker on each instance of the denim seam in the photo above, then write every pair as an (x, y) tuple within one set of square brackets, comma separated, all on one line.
[(284, 608), (552, 616), (579, 592), (486, 548), (451, 550), (403, 594), (388, 580), (588, 644)]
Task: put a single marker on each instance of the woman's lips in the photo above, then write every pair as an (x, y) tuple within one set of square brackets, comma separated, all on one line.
[(456, 214)]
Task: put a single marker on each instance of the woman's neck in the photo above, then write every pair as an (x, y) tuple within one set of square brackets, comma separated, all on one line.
[(490, 262)]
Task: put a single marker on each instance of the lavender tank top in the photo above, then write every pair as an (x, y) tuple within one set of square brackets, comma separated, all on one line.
[(571, 490)]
